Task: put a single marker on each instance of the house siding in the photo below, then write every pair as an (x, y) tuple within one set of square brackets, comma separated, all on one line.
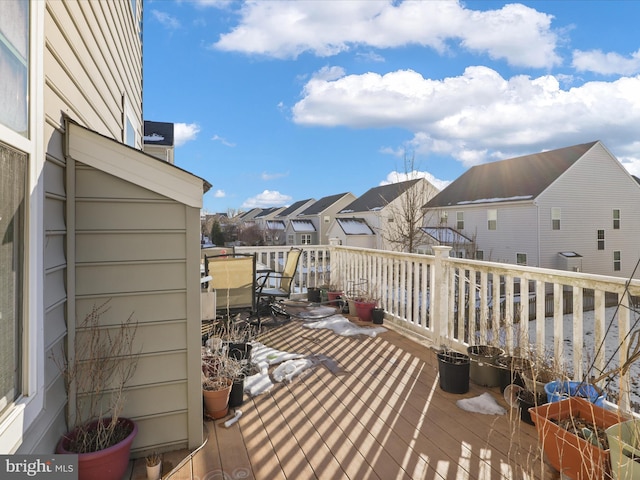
[(587, 193), (515, 232), (92, 66)]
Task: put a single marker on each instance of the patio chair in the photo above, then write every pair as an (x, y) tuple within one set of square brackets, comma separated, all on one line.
[(233, 278), (273, 286)]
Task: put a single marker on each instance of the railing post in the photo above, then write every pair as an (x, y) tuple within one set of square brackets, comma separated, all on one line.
[(440, 298)]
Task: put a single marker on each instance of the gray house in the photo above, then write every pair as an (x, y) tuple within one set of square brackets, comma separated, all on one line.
[(574, 208), (311, 226)]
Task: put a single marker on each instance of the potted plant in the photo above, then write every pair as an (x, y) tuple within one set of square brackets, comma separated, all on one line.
[(218, 373), (453, 369), (96, 372), (573, 436), (153, 464), (484, 370), (365, 303)]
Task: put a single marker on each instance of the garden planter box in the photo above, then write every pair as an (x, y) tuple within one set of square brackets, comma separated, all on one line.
[(568, 453), (624, 446)]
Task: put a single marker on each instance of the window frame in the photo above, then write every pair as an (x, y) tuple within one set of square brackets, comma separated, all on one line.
[(556, 218), (600, 239), (492, 216), (616, 218), (617, 261), (460, 220), (305, 239), (479, 255), (519, 260)]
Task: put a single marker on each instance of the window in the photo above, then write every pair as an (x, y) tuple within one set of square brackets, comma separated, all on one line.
[(14, 65), (460, 220), (616, 219), (616, 261), (13, 179), (479, 254), (130, 132), (521, 258), (600, 239), (305, 239), (492, 219), (555, 218)]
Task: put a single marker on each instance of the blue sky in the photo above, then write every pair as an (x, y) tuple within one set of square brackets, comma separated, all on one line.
[(279, 101)]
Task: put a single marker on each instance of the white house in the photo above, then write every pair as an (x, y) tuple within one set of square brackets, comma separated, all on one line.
[(85, 217), (575, 208), (379, 217)]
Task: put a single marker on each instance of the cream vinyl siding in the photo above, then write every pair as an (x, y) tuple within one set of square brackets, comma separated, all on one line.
[(516, 230), (89, 64), (93, 58), (132, 246), (587, 193)]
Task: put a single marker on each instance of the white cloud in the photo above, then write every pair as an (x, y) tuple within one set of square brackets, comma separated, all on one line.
[(166, 20), (273, 176), (266, 199), (285, 29), (610, 63), (185, 132), (219, 194), (478, 115), (226, 143), (395, 177)]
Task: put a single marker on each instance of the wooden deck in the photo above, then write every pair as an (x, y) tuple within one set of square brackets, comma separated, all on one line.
[(382, 416)]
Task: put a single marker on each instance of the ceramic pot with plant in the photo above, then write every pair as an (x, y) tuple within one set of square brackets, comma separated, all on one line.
[(217, 389), (153, 464), (104, 360)]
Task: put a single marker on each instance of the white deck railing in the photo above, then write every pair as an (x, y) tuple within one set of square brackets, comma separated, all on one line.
[(583, 322)]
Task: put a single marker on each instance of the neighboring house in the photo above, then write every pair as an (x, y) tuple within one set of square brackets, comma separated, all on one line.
[(264, 223), (311, 225), (274, 232), (158, 140), (384, 210), (575, 208), (85, 217)]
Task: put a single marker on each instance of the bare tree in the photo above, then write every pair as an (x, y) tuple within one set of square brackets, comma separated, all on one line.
[(403, 229)]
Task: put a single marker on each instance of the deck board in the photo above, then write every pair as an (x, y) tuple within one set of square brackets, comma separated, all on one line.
[(381, 415)]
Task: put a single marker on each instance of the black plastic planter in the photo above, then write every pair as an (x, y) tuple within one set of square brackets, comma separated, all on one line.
[(236, 397), (454, 371), (377, 314)]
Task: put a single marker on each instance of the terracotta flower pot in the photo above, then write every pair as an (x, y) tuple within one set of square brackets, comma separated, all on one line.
[(216, 402), (107, 464), (568, 453)]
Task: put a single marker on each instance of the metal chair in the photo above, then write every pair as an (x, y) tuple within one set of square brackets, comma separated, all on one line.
[(273, 286)]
